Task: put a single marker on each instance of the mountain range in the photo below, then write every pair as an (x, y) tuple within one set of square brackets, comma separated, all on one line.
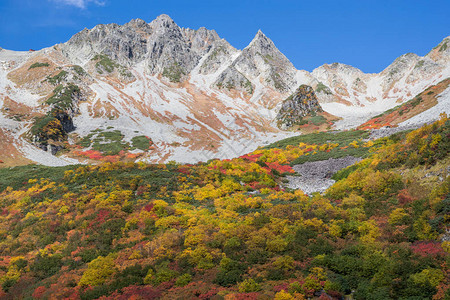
[(157, 92)]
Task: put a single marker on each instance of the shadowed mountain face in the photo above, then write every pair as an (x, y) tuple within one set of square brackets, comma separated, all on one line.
[(188, 91)]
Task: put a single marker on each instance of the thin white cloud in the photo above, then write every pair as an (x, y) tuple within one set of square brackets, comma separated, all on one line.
[(80, 3)]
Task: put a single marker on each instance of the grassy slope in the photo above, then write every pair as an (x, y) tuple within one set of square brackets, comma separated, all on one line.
[(343, 138), (409, 109)]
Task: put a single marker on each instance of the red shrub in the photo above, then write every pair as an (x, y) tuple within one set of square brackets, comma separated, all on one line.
[(149, 207), (425, 249), (404, 197), (135, 292), (245, 296), (38, 292), (101, 217), (141, 190), (279, 288), (251, 157), (184, 170)]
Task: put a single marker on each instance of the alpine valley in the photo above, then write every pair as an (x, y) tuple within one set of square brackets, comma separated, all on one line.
[(156, 92), (149, 161)]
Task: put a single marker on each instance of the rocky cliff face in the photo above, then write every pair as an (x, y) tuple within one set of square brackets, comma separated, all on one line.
[(166, 48), (299, 105), (201, 40), (169, 51), (127, 44)]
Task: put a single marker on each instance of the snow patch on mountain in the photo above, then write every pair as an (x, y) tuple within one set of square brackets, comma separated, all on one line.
[(45, 158)]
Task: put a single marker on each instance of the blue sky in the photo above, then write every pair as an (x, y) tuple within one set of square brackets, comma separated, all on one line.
[(367, 34)]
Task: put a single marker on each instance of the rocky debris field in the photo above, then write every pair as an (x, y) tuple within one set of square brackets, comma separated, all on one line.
[(384, 132), (316, 176)]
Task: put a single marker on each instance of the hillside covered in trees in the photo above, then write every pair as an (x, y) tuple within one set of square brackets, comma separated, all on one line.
[(228, 229)]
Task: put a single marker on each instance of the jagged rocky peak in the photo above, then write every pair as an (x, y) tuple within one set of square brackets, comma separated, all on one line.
[(262, 43), (174, 52), (164, 23), (441, 53), (140, 26), (400, 68), (339, 79), (338, 67), (261, 54), (336, 74), (401, 64), (167, 48), (201, 40), (261, 60), (297, 106), (123, 43), (169, 52)]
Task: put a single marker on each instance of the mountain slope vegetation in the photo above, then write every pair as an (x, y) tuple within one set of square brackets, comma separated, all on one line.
[(226, 229)]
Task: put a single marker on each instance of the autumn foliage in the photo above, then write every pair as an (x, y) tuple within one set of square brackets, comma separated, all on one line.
[(229, 229)]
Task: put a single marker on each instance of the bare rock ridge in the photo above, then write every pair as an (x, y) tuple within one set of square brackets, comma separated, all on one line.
[(299, 105), (165, 47), (174, 52)]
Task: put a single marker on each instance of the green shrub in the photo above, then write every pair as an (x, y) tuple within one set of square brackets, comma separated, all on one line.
[(183, 280), (110, 142), (249, 286), (317, 120), (45, 265), (230, 272), (164, 274), (38, 65), (107, 142), (342, 174), (141, 142), (57, 78), (63, 96), (174, 72), (79, 70), (343, 138), (104, 63), (323, 88)]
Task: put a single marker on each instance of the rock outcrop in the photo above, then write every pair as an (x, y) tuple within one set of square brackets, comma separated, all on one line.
[(50, 131), (299, 105)]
